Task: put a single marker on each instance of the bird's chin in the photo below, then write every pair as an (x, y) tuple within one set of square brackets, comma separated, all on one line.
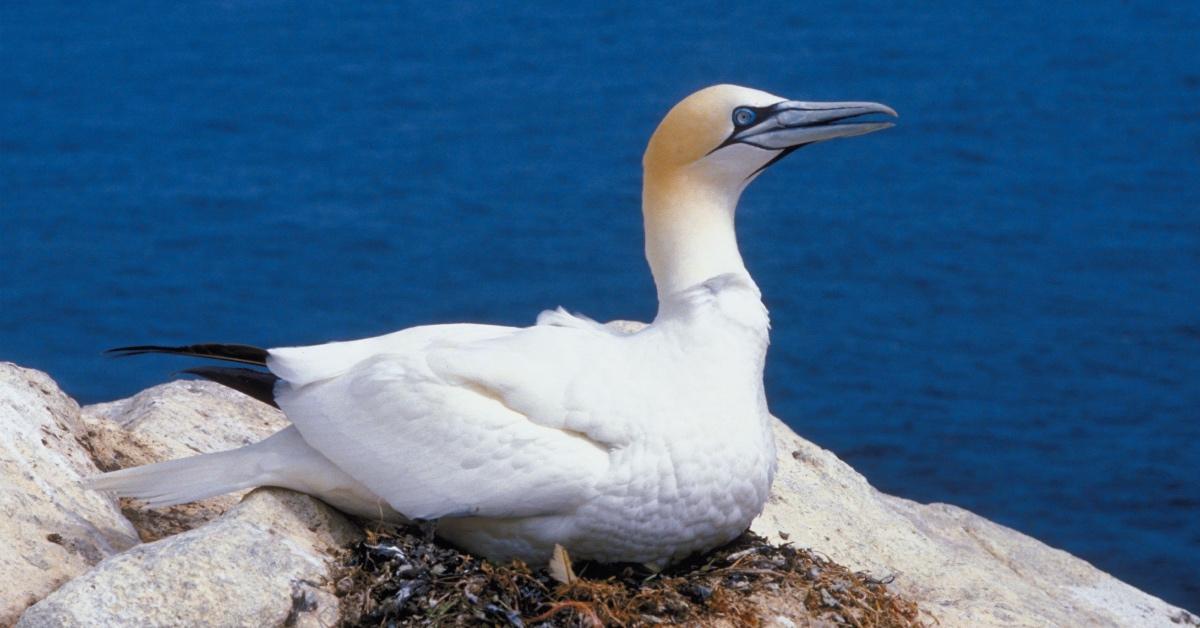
[(776, 155)]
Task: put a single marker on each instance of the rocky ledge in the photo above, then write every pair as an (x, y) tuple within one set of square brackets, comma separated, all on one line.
[(71, 557)]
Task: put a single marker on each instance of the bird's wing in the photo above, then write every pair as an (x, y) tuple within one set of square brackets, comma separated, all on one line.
[(304, 365), (480, 426)]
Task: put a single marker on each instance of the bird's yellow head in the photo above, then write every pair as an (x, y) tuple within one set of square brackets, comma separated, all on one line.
[(728, 134)]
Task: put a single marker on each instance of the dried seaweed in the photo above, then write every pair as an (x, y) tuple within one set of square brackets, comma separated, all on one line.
[(403, 577)]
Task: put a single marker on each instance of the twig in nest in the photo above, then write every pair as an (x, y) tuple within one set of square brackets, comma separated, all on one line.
[(584, 609)]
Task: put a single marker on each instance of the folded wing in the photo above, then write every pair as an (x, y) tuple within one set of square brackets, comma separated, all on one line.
[(485, 427)]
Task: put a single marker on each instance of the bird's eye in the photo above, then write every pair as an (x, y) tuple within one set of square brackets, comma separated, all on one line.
[(743, 116)]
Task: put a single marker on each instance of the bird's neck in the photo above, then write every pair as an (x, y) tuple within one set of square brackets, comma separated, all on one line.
[(690, 235)]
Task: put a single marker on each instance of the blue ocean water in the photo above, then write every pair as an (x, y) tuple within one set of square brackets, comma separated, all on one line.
[(994, 304)]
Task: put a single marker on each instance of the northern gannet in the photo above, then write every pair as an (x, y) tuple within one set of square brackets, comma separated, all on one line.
[(641, 447)]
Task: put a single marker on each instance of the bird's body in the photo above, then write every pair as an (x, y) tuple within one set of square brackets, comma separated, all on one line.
[(643, 447)]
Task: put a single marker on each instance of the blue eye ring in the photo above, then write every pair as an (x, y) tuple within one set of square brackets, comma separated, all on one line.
[(744, 116)]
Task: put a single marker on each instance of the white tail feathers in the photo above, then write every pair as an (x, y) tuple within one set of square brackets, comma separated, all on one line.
[(284, 459), (188, 479)]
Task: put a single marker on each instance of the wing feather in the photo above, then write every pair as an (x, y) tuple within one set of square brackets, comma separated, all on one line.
[(306, 365), (436, 436)]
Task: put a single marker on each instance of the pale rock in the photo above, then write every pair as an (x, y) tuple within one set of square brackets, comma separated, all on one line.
[(52, 529), (958, 567), (264, 563), (265, 559), (176, 420)]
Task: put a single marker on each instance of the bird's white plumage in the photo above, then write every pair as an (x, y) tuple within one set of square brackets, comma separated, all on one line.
[(576, 431), (641, 446)]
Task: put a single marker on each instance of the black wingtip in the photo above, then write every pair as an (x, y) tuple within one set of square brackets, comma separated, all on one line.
[(257, 384), (246, 354), (122, 352)]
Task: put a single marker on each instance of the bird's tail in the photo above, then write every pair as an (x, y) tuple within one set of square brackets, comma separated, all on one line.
[(185, 480)]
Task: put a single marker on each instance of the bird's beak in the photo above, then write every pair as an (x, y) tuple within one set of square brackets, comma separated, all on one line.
[(791, 124)]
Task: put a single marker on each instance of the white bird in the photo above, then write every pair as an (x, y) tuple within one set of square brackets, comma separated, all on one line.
[(642, 447)]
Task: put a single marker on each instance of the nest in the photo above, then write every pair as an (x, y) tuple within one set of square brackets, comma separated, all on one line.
[(404, 577)]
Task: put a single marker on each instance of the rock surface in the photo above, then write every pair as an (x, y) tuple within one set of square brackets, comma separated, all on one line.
[(176, 420), (51, 529), (261, 564), (960, 568), (264, 561)]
